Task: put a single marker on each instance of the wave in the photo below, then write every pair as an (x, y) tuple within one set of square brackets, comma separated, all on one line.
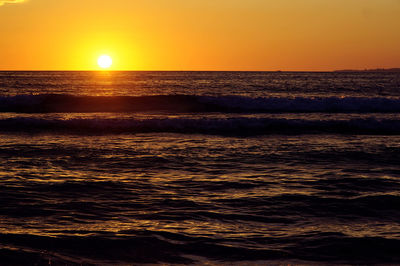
[(155, 247), (216, 126), (50, 103)]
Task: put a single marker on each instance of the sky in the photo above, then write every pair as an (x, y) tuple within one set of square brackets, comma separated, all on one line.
[(293, 35)]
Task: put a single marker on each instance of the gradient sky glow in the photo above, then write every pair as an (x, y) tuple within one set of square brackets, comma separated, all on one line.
[(200, 34)]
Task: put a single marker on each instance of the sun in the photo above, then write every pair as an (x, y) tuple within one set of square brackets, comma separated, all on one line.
[(104, 61)]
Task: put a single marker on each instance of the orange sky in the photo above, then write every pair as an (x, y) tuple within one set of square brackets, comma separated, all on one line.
[(200, 34)]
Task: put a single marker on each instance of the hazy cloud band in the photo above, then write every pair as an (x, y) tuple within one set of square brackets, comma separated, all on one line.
[(2, 2)]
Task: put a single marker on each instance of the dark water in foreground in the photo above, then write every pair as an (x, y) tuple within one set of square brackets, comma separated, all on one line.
[(199, 167)]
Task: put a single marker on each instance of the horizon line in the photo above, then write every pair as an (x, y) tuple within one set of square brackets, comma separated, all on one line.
[(115, 70)]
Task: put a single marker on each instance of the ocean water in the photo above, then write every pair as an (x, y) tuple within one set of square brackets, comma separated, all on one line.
[(122, 168)]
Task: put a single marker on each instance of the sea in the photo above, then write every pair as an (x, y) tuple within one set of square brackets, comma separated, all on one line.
[(199, 168)]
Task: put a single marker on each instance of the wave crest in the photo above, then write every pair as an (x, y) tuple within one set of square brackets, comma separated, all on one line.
[(59, 103), (217, 126)]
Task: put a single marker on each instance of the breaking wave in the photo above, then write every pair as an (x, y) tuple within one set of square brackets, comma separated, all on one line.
[(218, 126), (62, 103)]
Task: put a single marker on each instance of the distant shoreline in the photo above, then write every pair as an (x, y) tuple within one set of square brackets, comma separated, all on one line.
[(370, 70)]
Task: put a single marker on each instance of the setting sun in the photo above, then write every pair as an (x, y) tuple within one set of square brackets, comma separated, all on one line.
[(104, 61)]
